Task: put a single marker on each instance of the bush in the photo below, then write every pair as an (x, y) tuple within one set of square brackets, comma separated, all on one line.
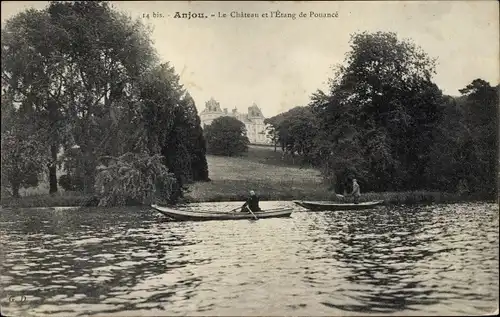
[(71, 183), (226, 136), (134, 178)]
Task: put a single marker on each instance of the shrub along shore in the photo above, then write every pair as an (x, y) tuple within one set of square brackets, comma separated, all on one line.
[(390, 198)]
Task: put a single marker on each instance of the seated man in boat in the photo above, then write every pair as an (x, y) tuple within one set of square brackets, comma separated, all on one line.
[(356, 192), (252, 203)]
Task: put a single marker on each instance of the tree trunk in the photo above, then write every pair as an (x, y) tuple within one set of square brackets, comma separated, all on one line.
[(15, 189), (89, 173), (88, 184), (53, 117), (53, 170)]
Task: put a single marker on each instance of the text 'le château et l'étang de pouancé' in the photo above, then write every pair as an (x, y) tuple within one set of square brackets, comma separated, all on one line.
[(241, 14)]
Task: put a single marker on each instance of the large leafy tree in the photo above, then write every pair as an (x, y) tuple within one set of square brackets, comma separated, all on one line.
[(447, 169), (295, 130), (109, 52), (481, 139), (226, 136), (275, 130), (464, 156), (76, 64), (272, 129), (380, 112), (91, 75), (33, 74), (173, 127)]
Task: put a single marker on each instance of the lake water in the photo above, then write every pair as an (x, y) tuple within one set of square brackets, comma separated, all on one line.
[(429, 260)]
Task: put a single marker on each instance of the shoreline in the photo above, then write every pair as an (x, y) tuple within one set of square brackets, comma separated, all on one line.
[(267, 172), (390, 198)]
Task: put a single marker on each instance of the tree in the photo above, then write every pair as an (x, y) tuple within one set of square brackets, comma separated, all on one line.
[(31, 74), (302, 130), (295, 130), (226, 136), (24, 155), (464, 155), (173, 127), (196, 141), (383, 103), (481, 120), (108, 53), (272, 126), (449, 160), (91, 77), (277, 130)]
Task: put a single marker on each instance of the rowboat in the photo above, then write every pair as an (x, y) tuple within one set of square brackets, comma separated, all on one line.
[(204, 216), (327, 205)]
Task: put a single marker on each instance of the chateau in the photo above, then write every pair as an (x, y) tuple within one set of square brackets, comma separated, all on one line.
[(253, 120)]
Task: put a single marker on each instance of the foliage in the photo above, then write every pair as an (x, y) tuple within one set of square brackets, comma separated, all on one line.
[(90, 76), (196, 141), (272, 129), (23, 160), (464, 157), (65, 182), (131, 176), (226, 136), (31, 74), (24, 156), (295, 130), (71, 183), (384, 122), (173, 127), (379, 116)]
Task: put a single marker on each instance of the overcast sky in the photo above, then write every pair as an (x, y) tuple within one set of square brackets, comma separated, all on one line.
[(278, 62)]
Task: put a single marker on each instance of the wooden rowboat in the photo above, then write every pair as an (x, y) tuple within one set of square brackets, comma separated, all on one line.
[(328, 205), (204, 216)]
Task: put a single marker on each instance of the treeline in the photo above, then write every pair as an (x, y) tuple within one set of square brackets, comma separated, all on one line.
[(85, 78), (386, 123)]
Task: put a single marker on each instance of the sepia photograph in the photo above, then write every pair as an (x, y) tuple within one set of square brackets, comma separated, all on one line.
[(249, 158)]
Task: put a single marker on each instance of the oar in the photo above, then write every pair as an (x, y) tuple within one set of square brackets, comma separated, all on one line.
[(232, 210), (252, 213)]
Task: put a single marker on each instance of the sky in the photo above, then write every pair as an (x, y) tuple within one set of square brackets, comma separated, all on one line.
[(277, 63)]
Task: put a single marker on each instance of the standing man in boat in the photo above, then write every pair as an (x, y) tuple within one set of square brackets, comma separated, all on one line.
[(356, 191), (252, 203)]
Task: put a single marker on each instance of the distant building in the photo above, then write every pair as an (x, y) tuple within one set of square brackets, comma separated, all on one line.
[(253, 120)]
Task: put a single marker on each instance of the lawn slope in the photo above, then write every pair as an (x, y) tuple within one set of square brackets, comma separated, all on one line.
[(261, 170)]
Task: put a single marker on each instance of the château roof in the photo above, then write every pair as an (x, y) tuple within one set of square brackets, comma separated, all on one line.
[(213, 107)]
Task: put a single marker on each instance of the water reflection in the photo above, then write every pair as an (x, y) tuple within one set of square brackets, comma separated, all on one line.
[(382, 251), (426, 260)]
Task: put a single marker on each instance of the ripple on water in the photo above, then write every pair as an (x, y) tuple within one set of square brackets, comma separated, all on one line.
[(391, 261)]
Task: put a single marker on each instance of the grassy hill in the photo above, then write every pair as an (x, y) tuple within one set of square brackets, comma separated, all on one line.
[(274, 178), (260, 169)]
